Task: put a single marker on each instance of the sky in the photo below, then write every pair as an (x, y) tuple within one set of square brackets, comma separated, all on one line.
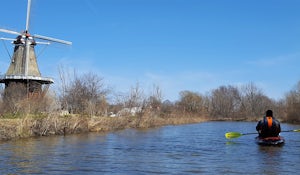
[(177, 45)]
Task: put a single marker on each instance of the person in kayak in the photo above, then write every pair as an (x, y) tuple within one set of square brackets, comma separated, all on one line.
[(268, 126)]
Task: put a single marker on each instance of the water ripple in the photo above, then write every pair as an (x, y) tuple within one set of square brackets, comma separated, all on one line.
[(187, 149)]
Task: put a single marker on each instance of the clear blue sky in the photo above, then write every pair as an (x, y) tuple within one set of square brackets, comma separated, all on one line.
[(195, 45)]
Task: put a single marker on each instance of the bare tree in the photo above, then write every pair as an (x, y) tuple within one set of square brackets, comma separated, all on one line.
[(133, 103), (86, 94), (252, 99), (254, 102), (225, 102), (155, 99), (190, 102), (65, 80), (167, 108), (293, 104), (136, 97)]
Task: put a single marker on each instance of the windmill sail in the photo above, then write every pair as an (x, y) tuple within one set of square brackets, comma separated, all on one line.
[(23, 68)]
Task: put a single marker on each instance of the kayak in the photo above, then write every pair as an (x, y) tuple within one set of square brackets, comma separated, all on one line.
[(270, 141)]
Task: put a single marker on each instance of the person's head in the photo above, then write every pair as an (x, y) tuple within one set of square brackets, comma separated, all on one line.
[(269, 113)]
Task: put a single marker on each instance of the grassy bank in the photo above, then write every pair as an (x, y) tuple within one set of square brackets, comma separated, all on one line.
[(31, 126)]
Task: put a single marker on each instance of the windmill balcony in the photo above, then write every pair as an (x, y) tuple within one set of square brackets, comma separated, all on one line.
[(43, 80)]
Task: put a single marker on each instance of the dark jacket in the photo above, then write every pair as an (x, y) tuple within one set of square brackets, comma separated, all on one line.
[(268, 127)]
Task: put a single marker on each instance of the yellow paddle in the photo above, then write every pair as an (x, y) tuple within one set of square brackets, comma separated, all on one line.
[(232, 135)]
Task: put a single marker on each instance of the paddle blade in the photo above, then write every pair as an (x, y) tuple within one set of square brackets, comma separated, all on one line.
[(232, 135), (294, 130)]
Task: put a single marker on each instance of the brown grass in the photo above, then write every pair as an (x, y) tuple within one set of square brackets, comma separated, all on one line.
[(30, 126)]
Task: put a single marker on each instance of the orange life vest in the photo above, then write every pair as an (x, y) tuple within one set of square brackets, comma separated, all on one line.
[(270, 121)]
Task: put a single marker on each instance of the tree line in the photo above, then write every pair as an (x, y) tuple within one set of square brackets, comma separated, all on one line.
[(88, 95)]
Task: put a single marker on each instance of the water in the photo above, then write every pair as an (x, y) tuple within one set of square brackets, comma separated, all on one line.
[(186, 149)]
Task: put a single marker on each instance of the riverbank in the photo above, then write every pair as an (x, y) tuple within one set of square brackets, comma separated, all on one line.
[(32, 126)]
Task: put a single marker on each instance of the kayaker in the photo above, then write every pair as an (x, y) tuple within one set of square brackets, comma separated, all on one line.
[(268, 126)]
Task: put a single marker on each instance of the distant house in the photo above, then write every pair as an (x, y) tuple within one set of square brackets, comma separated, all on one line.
[(129, 111), (111, 114)]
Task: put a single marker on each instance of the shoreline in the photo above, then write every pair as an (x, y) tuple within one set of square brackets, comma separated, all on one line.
[(18, 128), (51, 125)]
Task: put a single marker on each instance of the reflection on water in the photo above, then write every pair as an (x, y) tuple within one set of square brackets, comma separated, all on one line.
[(187, 149)]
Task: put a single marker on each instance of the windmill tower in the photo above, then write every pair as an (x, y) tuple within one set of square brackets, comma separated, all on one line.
[(23, 69)]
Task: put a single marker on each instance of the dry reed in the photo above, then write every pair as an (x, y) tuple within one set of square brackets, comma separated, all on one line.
[(30, 126)]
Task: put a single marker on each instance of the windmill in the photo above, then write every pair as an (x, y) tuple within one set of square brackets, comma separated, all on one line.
[(23, 68)]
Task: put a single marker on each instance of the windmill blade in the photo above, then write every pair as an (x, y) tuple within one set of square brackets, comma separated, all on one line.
[(8, 39), (52, 39), (28, 15), (45, 43), (10, 32)]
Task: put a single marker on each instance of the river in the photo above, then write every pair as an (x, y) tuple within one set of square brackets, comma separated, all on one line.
[(184, 149)]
